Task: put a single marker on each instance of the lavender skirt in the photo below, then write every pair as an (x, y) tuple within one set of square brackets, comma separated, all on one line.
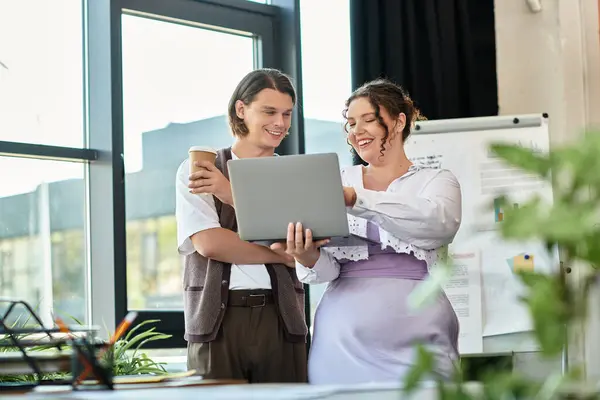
[(364, 330)]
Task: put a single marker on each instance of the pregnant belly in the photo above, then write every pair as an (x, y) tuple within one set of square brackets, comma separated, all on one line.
[(374, 313)]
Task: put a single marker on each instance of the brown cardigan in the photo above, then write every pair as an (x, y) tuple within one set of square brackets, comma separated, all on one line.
[(206, 285)]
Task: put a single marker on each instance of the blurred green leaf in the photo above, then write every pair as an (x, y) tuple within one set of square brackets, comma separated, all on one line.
[(428, 290), (548, 309), (501, 386), (523, 158), (423, 367), (580, 160), (588, 249), (536, 220)]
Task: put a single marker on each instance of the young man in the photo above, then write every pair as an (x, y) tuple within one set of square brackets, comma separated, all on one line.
[(244, 305)]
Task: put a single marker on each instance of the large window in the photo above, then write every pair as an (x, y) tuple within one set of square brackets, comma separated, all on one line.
[(326, 75), (42, 236), (41, 72), (99, 102), (180, 61), (43, 230), (176, 86), (326, 83)]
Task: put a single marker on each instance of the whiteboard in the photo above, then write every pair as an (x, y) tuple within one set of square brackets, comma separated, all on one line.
[(461, 146)]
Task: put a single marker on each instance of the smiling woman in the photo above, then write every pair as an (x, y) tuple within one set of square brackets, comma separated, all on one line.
[(379, 112), (409, 213)]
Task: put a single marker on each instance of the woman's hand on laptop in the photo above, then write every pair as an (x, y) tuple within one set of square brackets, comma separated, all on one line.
[(300, 245), (210, 180)]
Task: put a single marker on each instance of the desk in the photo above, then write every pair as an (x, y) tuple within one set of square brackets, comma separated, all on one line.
[(239, 392)]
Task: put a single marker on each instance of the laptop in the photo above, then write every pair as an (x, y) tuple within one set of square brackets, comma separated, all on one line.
[(271, 192)]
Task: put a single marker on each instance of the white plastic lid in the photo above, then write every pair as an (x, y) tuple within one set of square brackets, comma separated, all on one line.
[(202, 148)]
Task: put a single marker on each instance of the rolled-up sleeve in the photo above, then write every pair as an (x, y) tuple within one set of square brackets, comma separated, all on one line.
[(427, 218), (193, 212), (326, 269)]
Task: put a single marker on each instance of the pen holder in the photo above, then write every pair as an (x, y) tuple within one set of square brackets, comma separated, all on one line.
[(91, 365)]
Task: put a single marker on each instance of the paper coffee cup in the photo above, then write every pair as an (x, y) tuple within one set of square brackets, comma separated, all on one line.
[(201, 153)]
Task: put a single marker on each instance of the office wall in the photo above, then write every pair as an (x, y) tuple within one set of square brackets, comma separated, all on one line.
[(550, 62)]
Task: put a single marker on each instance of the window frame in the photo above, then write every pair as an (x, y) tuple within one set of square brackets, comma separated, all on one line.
[(277, 24), (84, 155), (270, 22)]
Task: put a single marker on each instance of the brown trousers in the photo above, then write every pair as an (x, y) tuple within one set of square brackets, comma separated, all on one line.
[(250, 344)]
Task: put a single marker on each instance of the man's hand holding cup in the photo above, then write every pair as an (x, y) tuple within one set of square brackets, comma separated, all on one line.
[(205, 177)]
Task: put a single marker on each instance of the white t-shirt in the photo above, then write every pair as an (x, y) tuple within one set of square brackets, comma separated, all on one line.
[(195, 213)]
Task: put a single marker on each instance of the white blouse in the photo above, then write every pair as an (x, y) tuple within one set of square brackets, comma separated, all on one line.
[(419, 213)]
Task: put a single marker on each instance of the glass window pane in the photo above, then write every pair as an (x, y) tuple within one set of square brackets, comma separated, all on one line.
[(41, 78), (42, 236), (323, 108), (177, 81), (325, 93)]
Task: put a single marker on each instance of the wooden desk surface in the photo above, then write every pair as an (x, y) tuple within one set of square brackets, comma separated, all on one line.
[(222, 390)]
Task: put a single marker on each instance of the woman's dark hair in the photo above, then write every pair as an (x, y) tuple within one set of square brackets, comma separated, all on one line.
[(392, 97), (250, 86)]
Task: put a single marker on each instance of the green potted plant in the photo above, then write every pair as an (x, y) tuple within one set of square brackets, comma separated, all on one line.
[(127, 355), (570, 222)]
